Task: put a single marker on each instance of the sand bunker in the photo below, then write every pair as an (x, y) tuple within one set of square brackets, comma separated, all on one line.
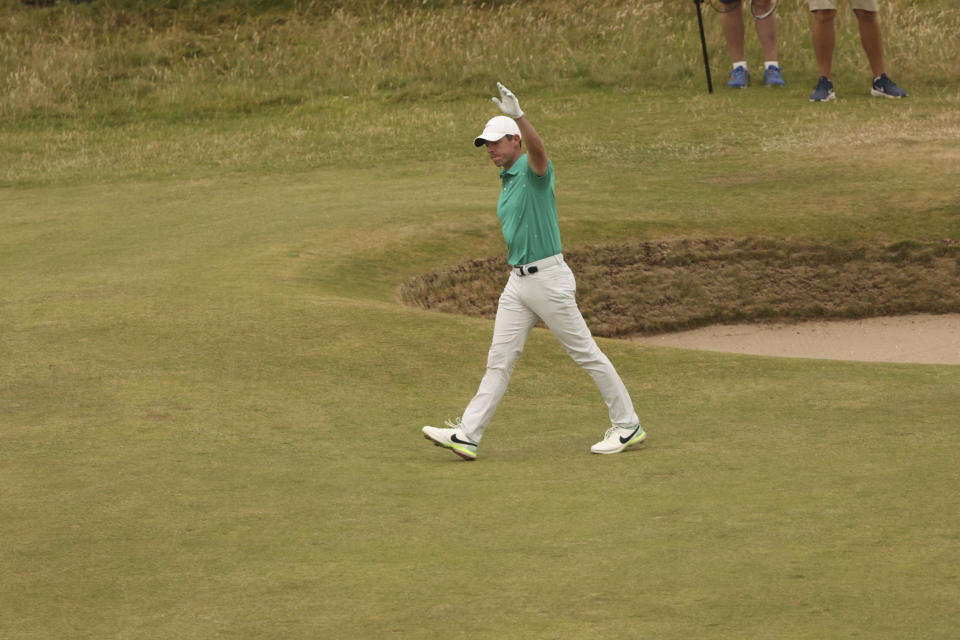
[(924, 339)]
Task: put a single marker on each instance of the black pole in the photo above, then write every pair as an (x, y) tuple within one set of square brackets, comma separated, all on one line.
[(703, 43)]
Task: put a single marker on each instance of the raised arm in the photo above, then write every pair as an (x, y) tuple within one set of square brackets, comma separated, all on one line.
[(536, 151)]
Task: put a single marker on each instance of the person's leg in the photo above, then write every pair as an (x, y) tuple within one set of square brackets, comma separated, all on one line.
[(871, 39), (510, 331), (767, 34), (766, 29), (868, 23), (553, 298), (731, 22), (824, 40)]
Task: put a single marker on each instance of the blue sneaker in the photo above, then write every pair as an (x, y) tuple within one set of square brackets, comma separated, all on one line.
[(823, 92), (884, 87), (739, 78), (773, 77)]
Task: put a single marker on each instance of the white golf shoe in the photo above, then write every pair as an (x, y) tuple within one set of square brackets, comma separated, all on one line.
[(453, 439), (616, 439)]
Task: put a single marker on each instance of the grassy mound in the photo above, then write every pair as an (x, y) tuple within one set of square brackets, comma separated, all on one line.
[(651, 287)]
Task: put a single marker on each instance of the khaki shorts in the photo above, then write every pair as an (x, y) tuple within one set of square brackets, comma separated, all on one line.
[(866, 5)]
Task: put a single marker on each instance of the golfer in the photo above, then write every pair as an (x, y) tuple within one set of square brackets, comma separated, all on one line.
[(540, 285)]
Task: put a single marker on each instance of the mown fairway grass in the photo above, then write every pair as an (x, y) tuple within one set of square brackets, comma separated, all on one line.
[(211, 395)]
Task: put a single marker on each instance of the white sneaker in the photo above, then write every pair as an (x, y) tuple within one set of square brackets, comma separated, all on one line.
[(616, 439), (452, 439)]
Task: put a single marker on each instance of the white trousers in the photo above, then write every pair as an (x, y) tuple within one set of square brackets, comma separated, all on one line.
[(549, 294)]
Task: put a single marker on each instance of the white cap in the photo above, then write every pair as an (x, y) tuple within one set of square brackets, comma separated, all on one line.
[(497, 127)]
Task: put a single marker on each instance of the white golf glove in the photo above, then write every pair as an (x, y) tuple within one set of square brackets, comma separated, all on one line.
[(508, 102)]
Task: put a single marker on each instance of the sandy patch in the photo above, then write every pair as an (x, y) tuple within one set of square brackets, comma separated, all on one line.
[(924, 339)]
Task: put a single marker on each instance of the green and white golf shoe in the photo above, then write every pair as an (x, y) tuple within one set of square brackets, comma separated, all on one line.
[(452, 438), (616, 439)]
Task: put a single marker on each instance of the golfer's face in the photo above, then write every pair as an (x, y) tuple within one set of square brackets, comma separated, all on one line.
[(503, 152)]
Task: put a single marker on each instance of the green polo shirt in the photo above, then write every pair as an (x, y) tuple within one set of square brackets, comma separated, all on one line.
[(528, 213)]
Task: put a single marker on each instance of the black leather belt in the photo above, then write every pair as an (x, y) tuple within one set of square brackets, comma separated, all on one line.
[(536, 266)]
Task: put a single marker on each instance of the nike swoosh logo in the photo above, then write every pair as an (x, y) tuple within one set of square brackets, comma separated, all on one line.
[(459, 441), (629, 437)]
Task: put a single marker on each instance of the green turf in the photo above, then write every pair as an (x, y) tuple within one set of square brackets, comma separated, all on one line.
[(210, 394)]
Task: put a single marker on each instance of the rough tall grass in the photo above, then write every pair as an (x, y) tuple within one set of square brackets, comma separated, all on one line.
[(179, 59)]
